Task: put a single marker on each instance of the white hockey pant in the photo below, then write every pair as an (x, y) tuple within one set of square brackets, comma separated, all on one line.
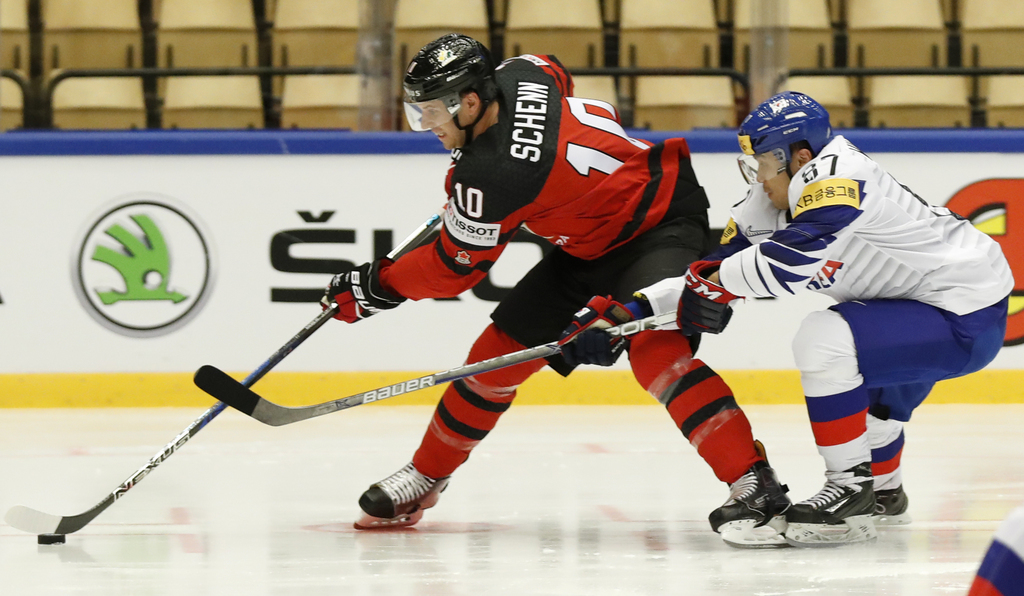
[(826, 355)]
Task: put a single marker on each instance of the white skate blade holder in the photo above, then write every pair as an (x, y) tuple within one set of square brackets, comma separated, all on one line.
[(856, 529), (369, 522), (901, 519), (745, 533)]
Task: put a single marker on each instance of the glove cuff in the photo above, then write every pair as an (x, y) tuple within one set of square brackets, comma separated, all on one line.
[(377, 289)]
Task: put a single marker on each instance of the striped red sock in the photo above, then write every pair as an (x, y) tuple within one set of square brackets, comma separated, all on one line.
[(470, 408), (698, 400)]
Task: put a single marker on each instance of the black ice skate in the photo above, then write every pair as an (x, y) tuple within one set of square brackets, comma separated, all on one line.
[(399, 500), (841, 512), (754, 515), (891, 507)]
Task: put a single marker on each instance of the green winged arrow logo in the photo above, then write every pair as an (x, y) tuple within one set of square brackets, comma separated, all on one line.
[(144, 263)]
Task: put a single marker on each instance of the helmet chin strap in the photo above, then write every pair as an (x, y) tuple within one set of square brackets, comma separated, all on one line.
[(469, 128), (789, 170)]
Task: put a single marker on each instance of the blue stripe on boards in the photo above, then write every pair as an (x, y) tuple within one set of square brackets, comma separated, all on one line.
[(208, 142), (341, 142)]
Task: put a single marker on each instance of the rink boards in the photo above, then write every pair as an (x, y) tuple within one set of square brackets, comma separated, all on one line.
[(127, 260)]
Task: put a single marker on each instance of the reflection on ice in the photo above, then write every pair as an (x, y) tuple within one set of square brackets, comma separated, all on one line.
[(558, 501)]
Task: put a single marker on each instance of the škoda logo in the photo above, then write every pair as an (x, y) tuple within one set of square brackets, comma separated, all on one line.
[(143, 268)]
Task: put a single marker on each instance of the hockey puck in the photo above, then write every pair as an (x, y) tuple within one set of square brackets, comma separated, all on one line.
[(51, 539)]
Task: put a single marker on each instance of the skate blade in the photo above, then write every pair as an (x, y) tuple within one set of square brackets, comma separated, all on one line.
[(745, 533), (857, 529), (369, 522), (893, 520)]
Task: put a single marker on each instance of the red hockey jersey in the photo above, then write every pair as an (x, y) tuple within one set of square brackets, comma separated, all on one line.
[(559, 166)]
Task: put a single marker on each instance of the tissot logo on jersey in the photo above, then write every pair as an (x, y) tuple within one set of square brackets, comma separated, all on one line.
[(468, 231), (528, 121)]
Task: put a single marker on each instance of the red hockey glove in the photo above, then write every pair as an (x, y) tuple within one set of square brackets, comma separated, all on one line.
[(704, 305), (586, 342), (358, 293)]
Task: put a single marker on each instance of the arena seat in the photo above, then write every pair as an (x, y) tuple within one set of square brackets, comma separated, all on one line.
[(808, 35), (320, 101), (199, 33), (213, 102), (668, 33), (883, 33), (995, 29), (14, 34), (419, 22), (919, 102), (91, 34), (596, 87), (11, 105), (682, 103), (99, 103), (1005, 106), (316, 32), (834, 93), (573, 32)]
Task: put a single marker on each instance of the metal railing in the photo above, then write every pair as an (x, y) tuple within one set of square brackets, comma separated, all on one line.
[(44, 107), (23, 83), (39, 107), (859, 74), (627, 98), (38, 112)]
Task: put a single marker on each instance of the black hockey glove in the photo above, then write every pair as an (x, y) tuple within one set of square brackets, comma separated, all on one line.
[(704, 305), (358, 293), (586, 342)]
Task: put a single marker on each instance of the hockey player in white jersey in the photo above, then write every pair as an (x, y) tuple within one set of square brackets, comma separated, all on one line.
[(922, 296)]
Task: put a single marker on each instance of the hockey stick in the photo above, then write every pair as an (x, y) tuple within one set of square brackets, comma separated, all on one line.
[(27, 519), (239, 396)]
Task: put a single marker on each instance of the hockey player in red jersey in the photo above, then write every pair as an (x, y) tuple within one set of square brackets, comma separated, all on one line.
[(621, 213)]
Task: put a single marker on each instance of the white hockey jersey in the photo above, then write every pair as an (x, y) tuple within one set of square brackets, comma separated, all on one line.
[(853, 232)]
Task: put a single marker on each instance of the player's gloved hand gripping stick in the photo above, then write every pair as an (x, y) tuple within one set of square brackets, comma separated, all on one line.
[(37, 522), (358, 294), (239, 396), (704, 304), (585, 340)]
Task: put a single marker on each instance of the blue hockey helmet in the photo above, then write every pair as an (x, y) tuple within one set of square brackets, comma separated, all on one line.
[(782, 120)]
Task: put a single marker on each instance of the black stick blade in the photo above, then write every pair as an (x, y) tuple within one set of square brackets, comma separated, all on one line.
[(221, 386)]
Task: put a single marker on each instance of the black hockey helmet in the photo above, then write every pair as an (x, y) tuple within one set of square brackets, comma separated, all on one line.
[(450, 64), (442, 70)]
